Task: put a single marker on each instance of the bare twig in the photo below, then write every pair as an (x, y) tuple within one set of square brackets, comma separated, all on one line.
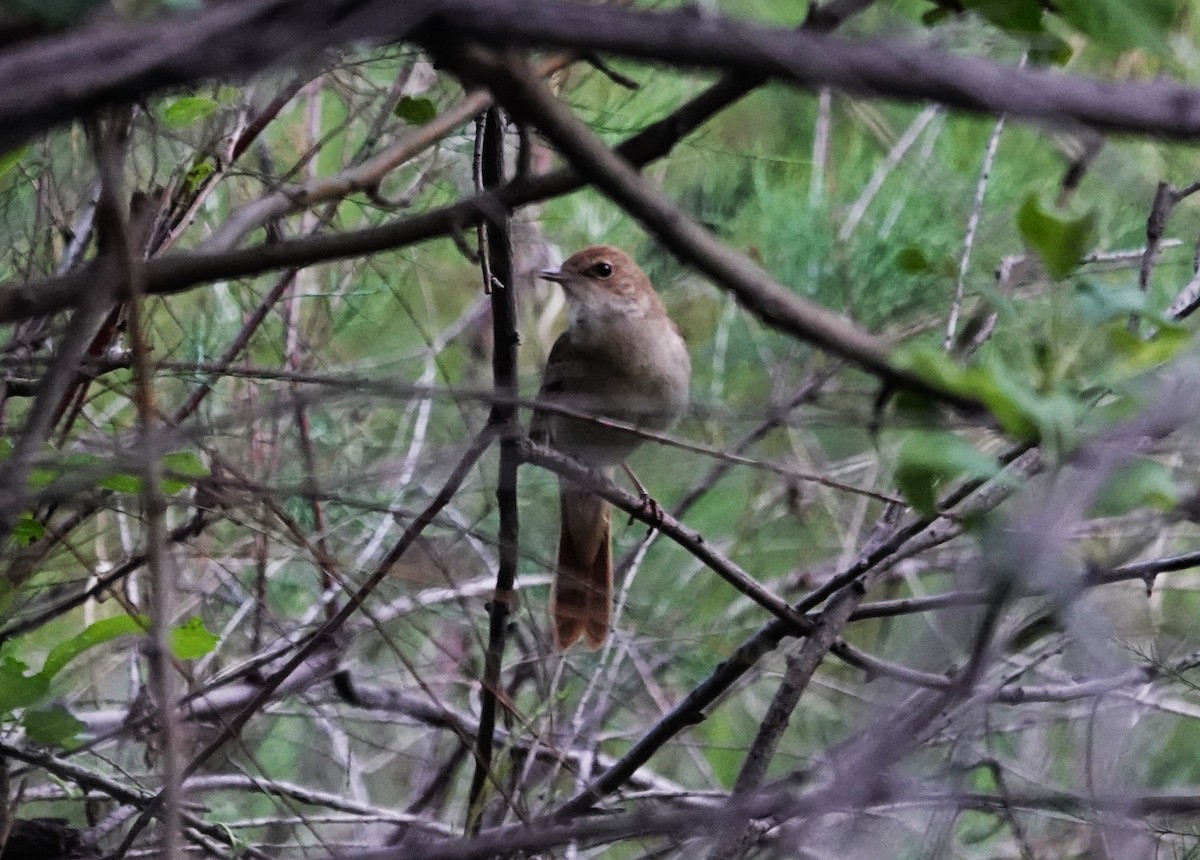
[(180, 272), (800, 670), (497, 267), (691, 708), (964, 262), (695, 543), (115, 230), (885, 168), (1166, 198), (231, 728)]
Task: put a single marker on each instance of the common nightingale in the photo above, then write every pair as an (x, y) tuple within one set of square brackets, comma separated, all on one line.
[(621, 358)]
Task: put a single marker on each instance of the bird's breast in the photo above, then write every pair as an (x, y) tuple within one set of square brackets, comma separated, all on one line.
[(637, 375)]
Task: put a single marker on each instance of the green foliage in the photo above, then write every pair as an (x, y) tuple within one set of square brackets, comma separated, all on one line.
[(122, 482), (416, 111), (26, 697), (18, 689), (1140, 484), (11, 159), (187, 110), (105, 630), (1022, 16), (1109, 26), (1115, 25), (1135, 355), (183, 469), (199, 173), (1060, 242), (1021, 409), (928, 459), (192, 640), (52, 725), (27, 529)]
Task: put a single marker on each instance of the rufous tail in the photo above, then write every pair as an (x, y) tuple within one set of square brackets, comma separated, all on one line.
[(581, 597)]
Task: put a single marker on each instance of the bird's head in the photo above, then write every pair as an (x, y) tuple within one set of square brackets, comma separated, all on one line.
[(602, 282)]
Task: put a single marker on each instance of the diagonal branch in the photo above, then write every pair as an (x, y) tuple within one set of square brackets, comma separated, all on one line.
[(49, 81), (888, 68), (496, 253), (330, 628), (46, 82), (181, 271), (513, 83), (692, 541)]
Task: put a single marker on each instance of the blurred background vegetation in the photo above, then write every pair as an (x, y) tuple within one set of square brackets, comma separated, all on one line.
[(861, 205)]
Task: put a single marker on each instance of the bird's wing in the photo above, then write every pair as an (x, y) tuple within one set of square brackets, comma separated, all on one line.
[(554, 381)]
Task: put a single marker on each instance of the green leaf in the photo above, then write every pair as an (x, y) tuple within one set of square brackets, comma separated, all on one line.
[(1100, 303), (192, 640), (187, 110), (935, 16), (185, 464), (1017, 16), (989, 382), (928, 458), (18, 690), (122, 482), (11, 159), (200, 171), (416, 111), (1060, 242), (70, 464), (1050, 50), (913, 260), (53, 726), (39, 478), (930, 363), (1142, 483), (183, 469), (1138, 354), (1020, 409), (1118, 25), (95, 634), (919, 487), (1014, 403), (8, 596), (27, 529)]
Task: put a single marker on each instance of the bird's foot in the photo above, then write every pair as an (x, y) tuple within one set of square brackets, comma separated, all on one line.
[(652, 510)]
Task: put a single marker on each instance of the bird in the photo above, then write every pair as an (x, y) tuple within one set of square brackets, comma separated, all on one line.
[(621, 358)]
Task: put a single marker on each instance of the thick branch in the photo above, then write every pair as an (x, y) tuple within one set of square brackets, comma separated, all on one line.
[(49, 81), (513, 84), (873, 67)]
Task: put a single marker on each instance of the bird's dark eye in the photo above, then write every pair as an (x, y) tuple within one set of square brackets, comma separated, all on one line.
[(602, 270)]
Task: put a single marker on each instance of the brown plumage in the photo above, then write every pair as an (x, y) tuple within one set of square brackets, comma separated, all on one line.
[(621, 358)]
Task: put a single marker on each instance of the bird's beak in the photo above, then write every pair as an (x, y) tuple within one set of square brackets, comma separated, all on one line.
[(555, 275)]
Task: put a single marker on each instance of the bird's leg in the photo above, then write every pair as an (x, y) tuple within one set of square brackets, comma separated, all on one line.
[(649, 504)]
